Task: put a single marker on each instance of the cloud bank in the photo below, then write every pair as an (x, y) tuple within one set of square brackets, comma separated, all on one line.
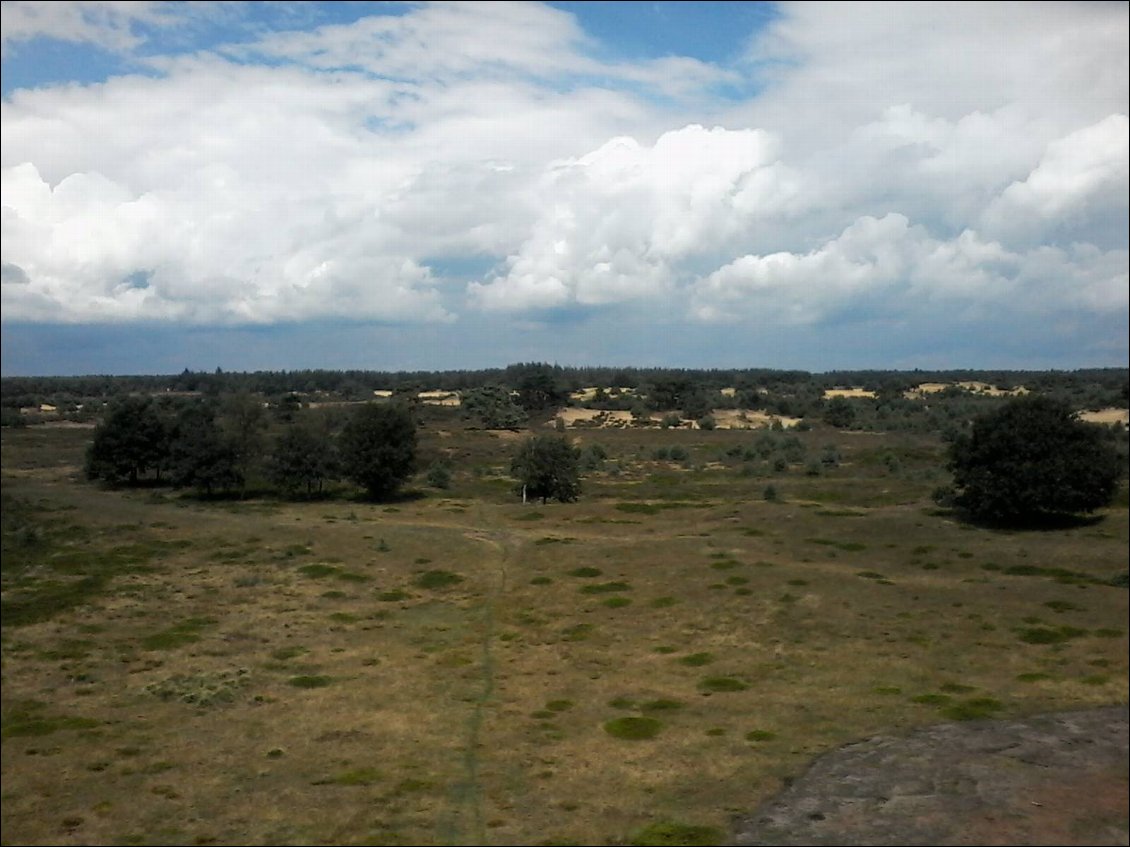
[(897, 162)]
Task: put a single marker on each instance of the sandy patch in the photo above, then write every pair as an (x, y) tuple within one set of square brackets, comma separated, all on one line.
[(749, 419), (848, 392), (439, 398), (723, 419), (584, 395), (1107, 416), (972, 386), (593, 418)]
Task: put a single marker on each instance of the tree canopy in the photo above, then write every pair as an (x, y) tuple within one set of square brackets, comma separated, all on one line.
[(548, 466), (132, 440), (1032, 457), (378, 448)]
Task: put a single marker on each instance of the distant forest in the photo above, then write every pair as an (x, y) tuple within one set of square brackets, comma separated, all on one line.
[(1108, 386), (543, 387)]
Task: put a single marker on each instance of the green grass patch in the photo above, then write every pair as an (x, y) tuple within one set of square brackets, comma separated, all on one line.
[(616, 602), (541, 580), (437, 580), (284, 654), (1032, 677), (1095, 679), (663, 704), (578, 632), (586, 573), (633, 728), (605, 588), (674, 834), (183, 633), (393, 596), (317, 571), (760, 735), (310, 681), (25, 719), (1049, 634)]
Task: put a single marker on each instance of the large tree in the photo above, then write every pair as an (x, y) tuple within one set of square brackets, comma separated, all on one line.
[(201, 454), (131, 441), (378, 447), (302, 460), (1032, 457), (548, 466)]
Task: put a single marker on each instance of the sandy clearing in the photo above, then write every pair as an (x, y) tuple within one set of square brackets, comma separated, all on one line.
[(723, 419), (1107, 416), (848, 392), (927, 388)]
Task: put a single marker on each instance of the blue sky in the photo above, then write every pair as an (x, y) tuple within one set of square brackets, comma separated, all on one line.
[(459, 185)]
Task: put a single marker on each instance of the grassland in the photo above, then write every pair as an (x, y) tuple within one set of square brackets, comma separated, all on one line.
[(460, 668)]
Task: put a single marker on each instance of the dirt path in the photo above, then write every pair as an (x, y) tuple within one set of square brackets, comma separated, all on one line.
[(1050, 779)]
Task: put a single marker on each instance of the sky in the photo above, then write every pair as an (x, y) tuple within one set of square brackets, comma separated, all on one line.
[(446, 186)]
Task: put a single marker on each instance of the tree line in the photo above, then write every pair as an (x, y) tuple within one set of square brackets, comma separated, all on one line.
[(219, 446)]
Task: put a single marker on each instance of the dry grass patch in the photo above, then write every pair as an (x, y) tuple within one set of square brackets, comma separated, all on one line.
[(425, 732)]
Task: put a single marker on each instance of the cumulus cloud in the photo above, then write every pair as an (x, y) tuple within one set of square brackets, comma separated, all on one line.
[(617, 223), (1081, 181), (899, 270), (897, 159)]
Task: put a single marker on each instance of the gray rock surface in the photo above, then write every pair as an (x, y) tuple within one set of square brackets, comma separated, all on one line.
[(1048, 779)]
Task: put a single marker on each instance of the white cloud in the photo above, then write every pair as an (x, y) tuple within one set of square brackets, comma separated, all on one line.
[(887, 267), (445, 41), (108, 24), (617, 222), (927, 161), (1083, 178)]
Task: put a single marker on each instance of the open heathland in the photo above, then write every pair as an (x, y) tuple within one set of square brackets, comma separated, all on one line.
[(457, 667)]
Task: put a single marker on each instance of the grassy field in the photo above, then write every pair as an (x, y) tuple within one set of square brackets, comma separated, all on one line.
[(460, 668)]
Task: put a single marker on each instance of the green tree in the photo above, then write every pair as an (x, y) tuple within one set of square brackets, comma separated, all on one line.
[(201, 454), (132, 440), (494, 406), (302, 460), (1032, 457), (839, 413), (548, 466), (378, 448), (244, 422), (538, 386)]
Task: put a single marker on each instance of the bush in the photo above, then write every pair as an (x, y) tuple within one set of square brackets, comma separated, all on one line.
[(548, 466), (1032, 457), (378, 447), (439, 475)]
